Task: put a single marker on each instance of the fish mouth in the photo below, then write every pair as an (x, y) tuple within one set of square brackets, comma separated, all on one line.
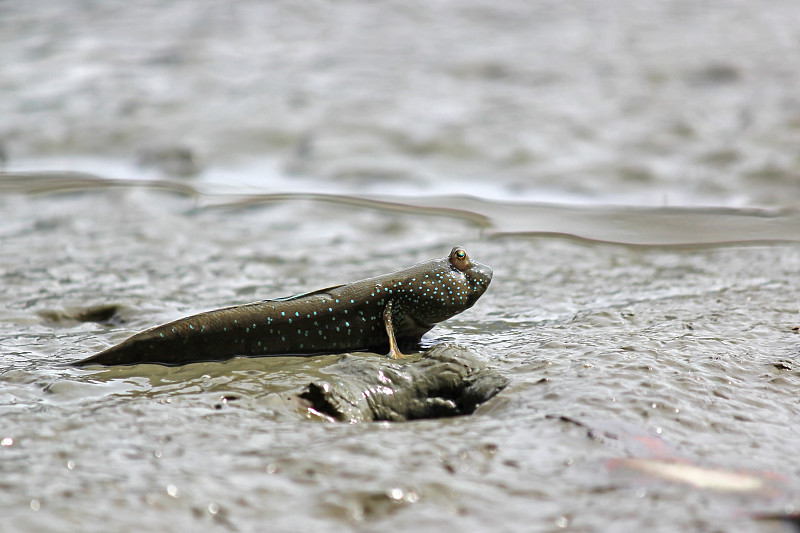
[(482, 273)]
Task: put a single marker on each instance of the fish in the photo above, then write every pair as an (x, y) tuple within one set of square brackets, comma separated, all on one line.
[(380, 314)]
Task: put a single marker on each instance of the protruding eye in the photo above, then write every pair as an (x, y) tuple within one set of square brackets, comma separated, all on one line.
[(459, 258)]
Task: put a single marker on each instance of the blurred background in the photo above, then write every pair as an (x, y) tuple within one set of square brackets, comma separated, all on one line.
[(677, 103)]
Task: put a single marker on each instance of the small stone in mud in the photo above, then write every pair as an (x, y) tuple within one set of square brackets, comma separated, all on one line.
[(95, 313)]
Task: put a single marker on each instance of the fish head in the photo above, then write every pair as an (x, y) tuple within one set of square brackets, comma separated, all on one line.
[(445, 287), (476, 276)]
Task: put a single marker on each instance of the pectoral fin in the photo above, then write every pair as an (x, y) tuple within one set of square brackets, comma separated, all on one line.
[(394, 352)]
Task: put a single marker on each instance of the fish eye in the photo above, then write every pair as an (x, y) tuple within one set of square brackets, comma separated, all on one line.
[(459, 259)]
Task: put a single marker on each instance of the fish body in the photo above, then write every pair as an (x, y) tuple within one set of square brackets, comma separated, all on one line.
[(377, 314)]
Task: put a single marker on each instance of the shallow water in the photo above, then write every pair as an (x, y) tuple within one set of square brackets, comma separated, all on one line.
[(694, 346), (634, 322)]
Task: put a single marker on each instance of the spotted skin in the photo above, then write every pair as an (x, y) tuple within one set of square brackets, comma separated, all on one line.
[(383, 313)]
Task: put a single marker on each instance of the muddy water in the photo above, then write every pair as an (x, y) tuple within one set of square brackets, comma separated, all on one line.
[(248, 151), (693, 347)]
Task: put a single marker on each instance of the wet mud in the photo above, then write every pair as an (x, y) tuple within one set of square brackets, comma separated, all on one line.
[(442, 382)]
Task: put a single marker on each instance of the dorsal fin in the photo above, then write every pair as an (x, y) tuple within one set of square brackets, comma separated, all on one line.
[(304, 294)]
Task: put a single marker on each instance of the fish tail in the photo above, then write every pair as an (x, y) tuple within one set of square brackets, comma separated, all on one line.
[(175, 343)]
